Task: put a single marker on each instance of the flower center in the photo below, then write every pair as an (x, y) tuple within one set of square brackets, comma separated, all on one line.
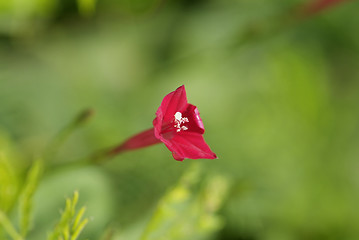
[(179, 120)]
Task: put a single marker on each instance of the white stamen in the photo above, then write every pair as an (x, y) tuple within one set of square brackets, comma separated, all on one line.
[(180, 120), (178, 116)]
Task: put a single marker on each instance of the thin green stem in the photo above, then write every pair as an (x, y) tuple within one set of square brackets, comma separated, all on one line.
[(65, 133), (8, 227)]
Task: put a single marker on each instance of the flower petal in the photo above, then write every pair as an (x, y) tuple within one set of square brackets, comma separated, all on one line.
[(179, 126), (189, 145), (177, 157), (157, 123), (173, 102), (195, 123)]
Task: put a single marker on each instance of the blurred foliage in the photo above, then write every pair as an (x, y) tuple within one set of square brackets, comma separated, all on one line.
[(26, 199), (278, 93), (187, 213), (9, 183), (71, 223), (68, 228), (7, 226)]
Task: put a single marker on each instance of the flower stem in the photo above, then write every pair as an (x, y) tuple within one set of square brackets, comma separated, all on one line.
[(143, 139), (66, 132)]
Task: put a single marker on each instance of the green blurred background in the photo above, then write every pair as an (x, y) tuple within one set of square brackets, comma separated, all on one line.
[(277, 91)]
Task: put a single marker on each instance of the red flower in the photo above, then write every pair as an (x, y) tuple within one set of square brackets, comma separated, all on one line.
[(178, 125), (316, 6)]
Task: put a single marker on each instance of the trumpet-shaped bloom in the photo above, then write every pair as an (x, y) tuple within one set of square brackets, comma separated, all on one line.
[(178, 125)]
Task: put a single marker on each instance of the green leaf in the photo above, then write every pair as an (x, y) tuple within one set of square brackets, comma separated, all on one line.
[(9, 183), (71, 223), (26, 198)]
